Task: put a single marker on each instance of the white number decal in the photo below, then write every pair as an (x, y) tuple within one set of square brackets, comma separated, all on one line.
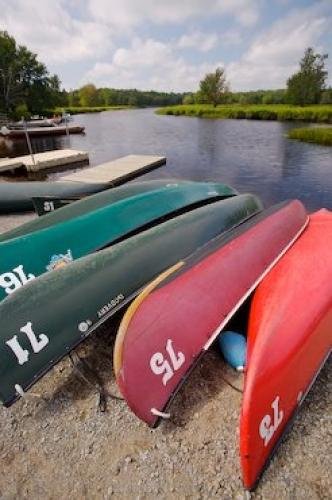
[(161, 366), (13, 280), (37, 343), (49, 206), (266, 427)]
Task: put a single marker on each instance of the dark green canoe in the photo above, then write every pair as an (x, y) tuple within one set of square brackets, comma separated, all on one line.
[(17, 196), (95, 202), (44, 320), (26, 257)]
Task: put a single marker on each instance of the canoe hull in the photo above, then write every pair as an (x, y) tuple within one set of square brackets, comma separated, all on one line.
[(290, 337), (94, 202), (24, 258), (69, 304), (175, 320), (17, 196)]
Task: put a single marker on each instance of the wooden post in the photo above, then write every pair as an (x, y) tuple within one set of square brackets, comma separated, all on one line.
[(67, 130), (28, 141)]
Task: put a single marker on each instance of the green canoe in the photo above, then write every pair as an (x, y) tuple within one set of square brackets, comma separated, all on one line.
[(26, 257), (17, 196), (94, 202), (44, 320)]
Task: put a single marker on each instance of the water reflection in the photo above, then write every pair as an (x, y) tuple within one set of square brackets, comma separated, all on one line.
[(252, 156)]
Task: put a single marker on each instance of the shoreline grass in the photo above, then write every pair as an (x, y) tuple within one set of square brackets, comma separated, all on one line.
[(317, 135), (282, 112), (75, 110)]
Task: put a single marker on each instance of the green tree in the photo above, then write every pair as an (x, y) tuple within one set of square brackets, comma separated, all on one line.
[(213, 87), (24, 81), (73, 98), (306, 86), (326, 96), (188, 99), (89, 95)]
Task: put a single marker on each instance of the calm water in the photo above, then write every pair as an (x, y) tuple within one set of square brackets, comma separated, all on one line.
[(252, 156)]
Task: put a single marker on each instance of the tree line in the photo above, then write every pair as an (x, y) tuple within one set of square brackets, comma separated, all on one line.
[(305, 87), (89, 95), (26, 87)]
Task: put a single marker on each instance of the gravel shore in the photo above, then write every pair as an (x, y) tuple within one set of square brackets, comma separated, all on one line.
[(61, 446)]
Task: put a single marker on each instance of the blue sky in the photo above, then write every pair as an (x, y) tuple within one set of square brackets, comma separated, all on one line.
[(169, 45)]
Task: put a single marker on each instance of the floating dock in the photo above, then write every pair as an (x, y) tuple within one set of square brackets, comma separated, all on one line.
[(117, 171), (43, 161)]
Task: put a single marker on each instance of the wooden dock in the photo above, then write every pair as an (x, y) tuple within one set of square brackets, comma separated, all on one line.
[(117, 171), (43, 161)]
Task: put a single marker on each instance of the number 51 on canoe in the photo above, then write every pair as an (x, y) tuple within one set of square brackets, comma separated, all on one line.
[(25, 257)]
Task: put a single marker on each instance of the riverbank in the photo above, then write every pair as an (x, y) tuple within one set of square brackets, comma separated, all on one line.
[(282, 112), (75, 110), (318, 135)]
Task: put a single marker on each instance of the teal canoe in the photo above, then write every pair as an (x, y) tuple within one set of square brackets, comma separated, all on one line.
[(45, 319), (26, 257), (95, 202)]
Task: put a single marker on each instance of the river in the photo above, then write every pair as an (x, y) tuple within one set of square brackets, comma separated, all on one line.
[(252, 156)]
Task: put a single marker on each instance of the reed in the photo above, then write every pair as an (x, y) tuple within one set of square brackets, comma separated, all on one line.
[(318, 135), (283, 112)]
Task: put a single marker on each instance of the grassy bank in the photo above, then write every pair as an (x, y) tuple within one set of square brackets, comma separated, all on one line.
[(318, 135), (75, 110), (318, 113)]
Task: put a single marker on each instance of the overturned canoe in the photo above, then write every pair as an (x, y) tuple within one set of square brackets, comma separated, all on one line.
[(289, 338), (17, 196), (26, 257), (96, 201), (60, 309), (178, 316)]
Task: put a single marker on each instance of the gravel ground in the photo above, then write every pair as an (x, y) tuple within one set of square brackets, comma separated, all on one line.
[(62, 446)]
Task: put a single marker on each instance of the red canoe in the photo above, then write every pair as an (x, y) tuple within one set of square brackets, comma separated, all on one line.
[(178, 316), (289, 339)]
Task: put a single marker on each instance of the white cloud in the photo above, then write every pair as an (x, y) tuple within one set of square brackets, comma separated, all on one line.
[(48, 29), (149, 64), (275, 54), (130, 13), (198, 40)]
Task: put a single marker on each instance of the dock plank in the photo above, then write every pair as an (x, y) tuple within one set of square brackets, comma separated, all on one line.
[(117, 171), (48, 159)]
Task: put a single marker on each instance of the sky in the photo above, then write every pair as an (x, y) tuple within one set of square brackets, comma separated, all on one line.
[(169, 45)]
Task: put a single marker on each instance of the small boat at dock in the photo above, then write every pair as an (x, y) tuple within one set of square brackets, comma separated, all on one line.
[(54, 130)]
